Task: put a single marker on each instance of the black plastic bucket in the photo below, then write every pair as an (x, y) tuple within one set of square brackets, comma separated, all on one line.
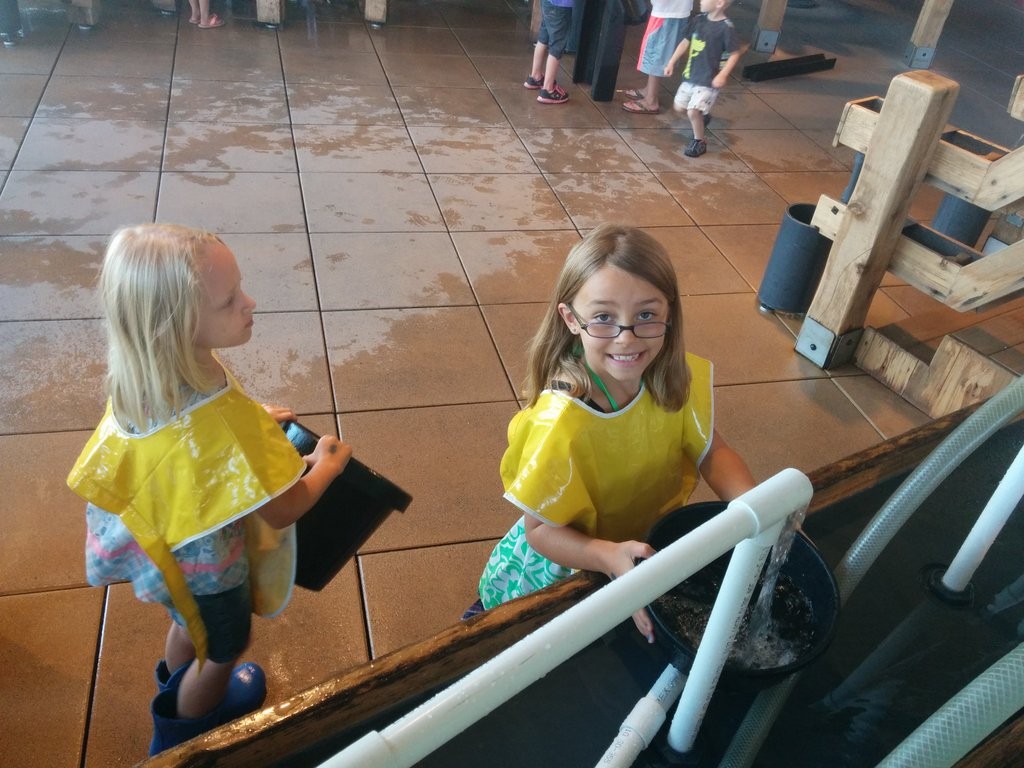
[(796, 263), (348, 513), (804, 571), (960, 220)]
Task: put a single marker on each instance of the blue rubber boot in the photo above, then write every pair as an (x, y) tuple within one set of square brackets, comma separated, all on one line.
[(245, 674), (246, 692), (165, 679)]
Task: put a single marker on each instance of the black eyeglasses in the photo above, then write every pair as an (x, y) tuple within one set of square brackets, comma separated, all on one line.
[(648, 330)]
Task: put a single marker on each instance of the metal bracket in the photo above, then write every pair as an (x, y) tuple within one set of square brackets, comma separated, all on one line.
[(823, 347), (918, 58), (765, 40)]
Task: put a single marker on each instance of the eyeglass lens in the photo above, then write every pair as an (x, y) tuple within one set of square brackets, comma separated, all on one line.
[(640, 330)]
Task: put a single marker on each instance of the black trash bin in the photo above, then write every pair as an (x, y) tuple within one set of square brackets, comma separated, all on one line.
[(795, 265)]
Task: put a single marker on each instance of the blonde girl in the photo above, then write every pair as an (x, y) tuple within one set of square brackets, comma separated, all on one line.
[(191, 486), (618, 426)]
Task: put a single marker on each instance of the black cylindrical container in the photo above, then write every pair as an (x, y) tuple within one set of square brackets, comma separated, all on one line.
[(960, 220), (796, 263)]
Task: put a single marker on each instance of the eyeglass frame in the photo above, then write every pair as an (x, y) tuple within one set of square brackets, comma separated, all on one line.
[(621, 328)]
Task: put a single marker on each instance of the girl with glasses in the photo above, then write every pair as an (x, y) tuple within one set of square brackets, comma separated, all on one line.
[(618, 425)]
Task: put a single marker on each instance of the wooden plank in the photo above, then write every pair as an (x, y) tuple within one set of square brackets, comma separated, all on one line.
[(270, 12), (969, 287), (916, 109), (770, 15), (974, 169), (887, 361), (828, 215), (1004, 183), (991, 278), (930, 22), (858, 122), (376, 11), (1002, 750), (957, 376), (1016, 105)]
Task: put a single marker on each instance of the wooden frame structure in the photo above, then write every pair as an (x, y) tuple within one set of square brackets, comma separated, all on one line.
[(905, 141), (919, 52)]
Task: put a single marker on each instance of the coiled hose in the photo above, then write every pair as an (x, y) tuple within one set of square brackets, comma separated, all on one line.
[(992, 416)]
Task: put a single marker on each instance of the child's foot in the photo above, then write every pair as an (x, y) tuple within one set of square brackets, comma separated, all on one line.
[(635, 94), (195, 19), (697, 148), (214, 22), (534, 83), (640, 108), (556, 95)]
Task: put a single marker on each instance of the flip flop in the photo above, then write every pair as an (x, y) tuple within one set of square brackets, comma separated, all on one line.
[(635, 94), (636, 108), (215, 21), (194, 21)]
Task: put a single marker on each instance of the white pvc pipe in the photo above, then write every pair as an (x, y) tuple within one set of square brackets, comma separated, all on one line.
[(644, 721), (433, 723), (724, 622), (990, 522)]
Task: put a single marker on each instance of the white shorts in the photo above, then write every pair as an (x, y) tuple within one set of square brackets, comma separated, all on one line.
[(690, 96)]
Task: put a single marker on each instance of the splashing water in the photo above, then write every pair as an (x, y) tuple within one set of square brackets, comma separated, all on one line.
[(776, 630)]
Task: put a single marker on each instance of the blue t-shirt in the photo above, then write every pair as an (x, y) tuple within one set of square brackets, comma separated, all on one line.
[(709, 40)]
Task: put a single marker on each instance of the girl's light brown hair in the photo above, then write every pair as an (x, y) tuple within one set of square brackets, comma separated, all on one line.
[(151, 291), (552, 356)]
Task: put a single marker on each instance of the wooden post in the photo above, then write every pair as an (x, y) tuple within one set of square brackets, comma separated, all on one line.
[(921, 48), (911, 120), (84, 13), (1016, 105), (376, 12), (769, 25), (270, 12)]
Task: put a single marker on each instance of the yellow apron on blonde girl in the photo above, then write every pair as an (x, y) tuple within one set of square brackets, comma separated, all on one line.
[(218, 461)]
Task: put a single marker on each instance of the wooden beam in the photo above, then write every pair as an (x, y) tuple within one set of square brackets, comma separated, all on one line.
[(916, 109), (924, 38), (1016, 106), (769, 26)]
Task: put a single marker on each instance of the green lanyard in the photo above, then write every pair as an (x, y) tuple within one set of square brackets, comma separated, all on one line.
[(602, 387)]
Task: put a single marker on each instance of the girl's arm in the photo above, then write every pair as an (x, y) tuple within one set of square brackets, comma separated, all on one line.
[(725, 471), (570, 548), (326, 462)]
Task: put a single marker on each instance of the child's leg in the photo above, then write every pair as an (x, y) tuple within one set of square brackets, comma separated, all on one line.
[(696, 122), (540, 56), (197, 14), (178, 648), (202, 691), (550, 73), (650, 99)]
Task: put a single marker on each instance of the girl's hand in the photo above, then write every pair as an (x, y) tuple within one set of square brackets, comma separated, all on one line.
[(668, 68), (279, 413), (331, 454), (624, 556)]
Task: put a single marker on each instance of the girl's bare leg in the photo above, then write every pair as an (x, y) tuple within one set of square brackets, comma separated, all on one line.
[(178, 648)]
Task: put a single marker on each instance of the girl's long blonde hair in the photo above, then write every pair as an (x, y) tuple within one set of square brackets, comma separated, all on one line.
[(151, 291), (552, 354)]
